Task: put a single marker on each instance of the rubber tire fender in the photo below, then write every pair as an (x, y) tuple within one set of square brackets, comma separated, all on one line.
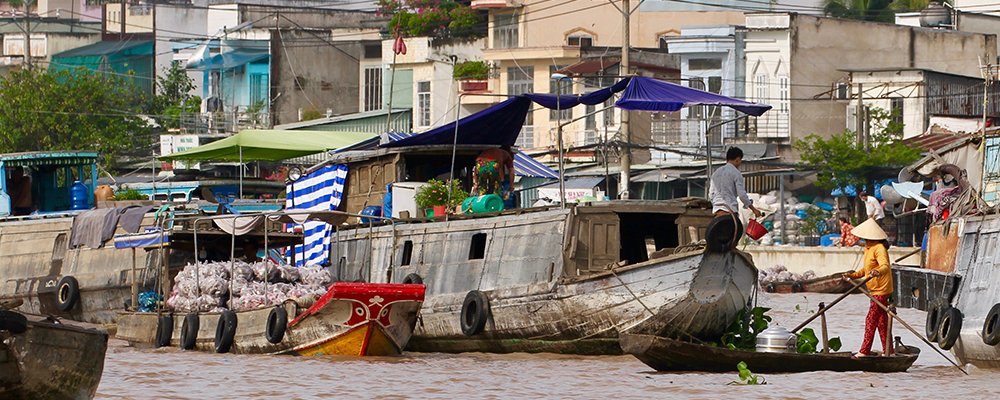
[(277, 323), (13, 322), (189, 331), (719, 235), (933, 321), (67, 293), (797, 287), (164, 330), (475, 312), (991, 327), (225, 331), (950, 329), (413, 279), (770, 288)]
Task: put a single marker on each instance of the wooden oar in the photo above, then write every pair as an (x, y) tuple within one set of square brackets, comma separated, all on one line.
[(832, 303), (914, 331)]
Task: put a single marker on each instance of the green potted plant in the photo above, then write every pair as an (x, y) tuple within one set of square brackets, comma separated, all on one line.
[(809, 228), (473, 75), (435, 195)]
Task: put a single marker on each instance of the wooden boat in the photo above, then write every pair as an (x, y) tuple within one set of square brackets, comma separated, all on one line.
[(356, 319), (664, 354), (825, 284), (49, 358)]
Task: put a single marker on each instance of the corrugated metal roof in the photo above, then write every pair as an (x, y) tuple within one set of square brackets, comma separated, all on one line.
[(934, 141)]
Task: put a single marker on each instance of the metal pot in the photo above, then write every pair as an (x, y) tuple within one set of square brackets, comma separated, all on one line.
[(776, 340)]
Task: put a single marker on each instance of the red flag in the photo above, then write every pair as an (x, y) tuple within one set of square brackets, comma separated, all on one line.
[(399, 47)]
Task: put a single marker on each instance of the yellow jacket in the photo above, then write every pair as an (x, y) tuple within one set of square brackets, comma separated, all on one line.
[(876, 258)]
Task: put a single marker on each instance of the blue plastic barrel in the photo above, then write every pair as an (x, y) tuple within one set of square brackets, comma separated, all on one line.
[(387, 201), (79, 196)]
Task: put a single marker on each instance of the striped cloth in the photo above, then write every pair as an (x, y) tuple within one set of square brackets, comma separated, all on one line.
[(320, 190)]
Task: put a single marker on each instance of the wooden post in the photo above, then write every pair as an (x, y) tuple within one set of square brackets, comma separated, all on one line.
[(135, 285), (822, 321)]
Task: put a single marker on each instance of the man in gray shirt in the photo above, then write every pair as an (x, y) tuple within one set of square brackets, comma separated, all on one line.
[(727, 184)]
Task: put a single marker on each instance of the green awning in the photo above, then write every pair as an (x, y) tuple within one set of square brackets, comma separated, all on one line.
[(270, 145)]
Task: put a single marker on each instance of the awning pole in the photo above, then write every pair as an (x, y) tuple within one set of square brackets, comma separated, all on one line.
[(241, 171), (454, 149)]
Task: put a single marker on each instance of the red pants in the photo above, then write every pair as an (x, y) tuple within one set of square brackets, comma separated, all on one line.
[(877, 319)]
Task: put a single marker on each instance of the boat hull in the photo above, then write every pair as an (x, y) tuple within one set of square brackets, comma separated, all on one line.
[(52, 360), (37, 256), (351, 319), (586, 316), (824, 284), (664, 354)]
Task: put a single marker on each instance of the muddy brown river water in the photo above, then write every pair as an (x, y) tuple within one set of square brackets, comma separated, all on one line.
[(131, 373)]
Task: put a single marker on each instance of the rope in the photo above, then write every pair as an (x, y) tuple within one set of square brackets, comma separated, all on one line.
[(631, 292)]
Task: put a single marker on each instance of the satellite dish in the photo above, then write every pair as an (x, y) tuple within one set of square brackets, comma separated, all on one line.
[(890, 195)]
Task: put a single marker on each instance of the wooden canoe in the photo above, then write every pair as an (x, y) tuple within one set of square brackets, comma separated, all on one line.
[(665, 354), (49, 358), (824, 284)]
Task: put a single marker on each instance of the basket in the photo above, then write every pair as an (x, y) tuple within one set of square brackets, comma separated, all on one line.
[(755, 230)]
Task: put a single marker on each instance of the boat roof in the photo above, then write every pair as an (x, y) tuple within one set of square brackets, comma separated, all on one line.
[(61, 157)]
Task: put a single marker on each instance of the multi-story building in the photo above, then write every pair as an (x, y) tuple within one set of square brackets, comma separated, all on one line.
[(797, 64)]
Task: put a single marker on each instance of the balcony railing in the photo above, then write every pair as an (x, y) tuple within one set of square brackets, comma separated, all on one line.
[(224, 122)]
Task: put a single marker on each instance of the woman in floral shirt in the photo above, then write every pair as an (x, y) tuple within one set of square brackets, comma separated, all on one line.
[(846, 238)]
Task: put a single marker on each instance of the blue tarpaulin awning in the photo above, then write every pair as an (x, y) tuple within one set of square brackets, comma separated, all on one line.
[(648, 94), (524, 165), (565, 101), (497, 125)]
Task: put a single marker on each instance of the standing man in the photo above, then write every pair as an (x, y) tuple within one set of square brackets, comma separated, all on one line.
[(872, 207), (727, 185)]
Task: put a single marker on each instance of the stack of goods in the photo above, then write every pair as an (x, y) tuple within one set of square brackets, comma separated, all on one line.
[(779, 273), (206, 286), (796, 210)]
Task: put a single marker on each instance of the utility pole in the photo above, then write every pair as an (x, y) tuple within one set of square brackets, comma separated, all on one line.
[(27, 36), (859, 122), (626, 162)]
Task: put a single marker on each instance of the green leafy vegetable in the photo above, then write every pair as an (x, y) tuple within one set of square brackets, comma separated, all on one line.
[(747, 377), (742, 334), (835, 344)]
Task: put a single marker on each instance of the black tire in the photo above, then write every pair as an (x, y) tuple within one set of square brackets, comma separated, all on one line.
[(933, 321), (991, 328), (951, 327), (796, 287), (770, 288), (164, 330), (189, 331), (413, 279), (13, 322), (277, 323), (68, 293), (225, 331), (475, 312), (720, 235)]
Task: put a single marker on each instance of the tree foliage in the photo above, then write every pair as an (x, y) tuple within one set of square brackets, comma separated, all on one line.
[(841, 161), (865, 10), (43, 110), (435, 18), (173, 96)]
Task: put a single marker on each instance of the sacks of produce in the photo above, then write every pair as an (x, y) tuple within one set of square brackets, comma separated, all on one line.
[(207, 286)]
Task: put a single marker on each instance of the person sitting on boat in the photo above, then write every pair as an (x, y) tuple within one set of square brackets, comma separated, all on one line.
[(876, 265), (847, 239), (727, 185), (494, 173), (19, 189)]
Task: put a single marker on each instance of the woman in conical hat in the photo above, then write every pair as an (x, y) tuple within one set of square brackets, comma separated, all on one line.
[(876, 265)]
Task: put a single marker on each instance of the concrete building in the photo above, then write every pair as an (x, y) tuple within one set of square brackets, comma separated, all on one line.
[(49, 36), (530, 39), (796, 63), (914, 96), (422, 79)]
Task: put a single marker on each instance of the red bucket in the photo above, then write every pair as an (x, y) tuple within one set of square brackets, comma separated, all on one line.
[(755, 230)]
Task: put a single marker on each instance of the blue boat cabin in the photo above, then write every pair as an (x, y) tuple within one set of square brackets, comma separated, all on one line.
[(42, 181)]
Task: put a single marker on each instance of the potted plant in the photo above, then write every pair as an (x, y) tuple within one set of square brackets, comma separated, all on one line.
[(435, 195), (472, 75), (810, 227)]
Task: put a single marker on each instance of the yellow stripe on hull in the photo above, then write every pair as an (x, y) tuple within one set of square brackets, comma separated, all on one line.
[(364, 340)]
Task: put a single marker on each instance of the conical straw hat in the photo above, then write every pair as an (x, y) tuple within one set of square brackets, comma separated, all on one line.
[(869, 230)]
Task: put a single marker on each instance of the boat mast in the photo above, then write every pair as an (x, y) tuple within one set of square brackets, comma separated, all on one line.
[(626, 160)]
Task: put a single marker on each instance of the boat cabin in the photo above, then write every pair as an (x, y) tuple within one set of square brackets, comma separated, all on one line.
[(42, 181)]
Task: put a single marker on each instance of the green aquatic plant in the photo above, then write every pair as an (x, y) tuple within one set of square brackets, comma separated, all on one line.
[(742, 334), (747, 377), (807, 342)]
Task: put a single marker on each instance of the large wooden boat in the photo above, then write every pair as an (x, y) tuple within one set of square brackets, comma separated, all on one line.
[(959, 288), (665, 354), (49, 358), (354, 319)]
